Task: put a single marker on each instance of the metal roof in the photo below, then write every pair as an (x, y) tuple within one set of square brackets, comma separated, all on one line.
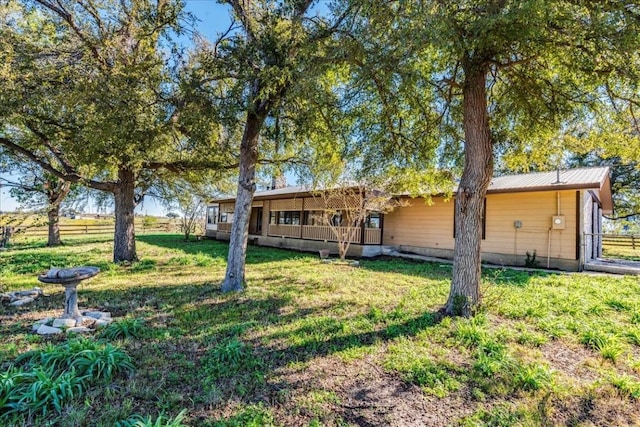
[(293, 191), (594, 178)]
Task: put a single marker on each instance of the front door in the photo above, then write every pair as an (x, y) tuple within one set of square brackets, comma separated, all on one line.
[(259, 221)]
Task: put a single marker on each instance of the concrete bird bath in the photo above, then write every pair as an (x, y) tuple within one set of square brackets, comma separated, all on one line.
[(70, 278)]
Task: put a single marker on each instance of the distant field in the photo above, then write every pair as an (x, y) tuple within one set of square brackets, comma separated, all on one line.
[(621, 252), (313, 344), (35, 226)]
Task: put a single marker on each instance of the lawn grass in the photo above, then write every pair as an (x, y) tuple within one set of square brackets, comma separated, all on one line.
[(622, 252), (310, 344)]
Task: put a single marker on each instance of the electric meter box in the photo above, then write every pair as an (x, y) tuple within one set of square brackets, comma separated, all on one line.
[(557, 222)]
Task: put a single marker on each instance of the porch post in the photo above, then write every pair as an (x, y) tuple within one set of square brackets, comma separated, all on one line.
[(301, 218)]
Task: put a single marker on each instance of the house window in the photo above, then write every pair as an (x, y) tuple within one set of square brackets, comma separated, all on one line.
[(312, 218), (483, 219), (373, 220), (226, 217), (284, 217), (212, 215)]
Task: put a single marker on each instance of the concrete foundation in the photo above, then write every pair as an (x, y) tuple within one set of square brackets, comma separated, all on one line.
[(355, 251), (369, 251), (497, 259)]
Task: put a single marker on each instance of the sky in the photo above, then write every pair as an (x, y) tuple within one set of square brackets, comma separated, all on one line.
[(211, 19)]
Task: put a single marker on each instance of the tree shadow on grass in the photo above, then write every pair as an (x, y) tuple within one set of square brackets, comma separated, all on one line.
[(220, 249), (241, 351), (210, 347), (436, 270)]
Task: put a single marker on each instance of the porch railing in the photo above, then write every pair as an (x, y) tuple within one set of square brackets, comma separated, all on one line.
[(284, 230), (324, 232), (372, 236)]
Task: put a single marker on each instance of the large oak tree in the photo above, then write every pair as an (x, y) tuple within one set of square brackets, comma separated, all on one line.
[(90, 84), (263, 72), (499, 73)]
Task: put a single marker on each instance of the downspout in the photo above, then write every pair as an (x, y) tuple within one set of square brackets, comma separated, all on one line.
[(579, 235), (549, 249), (558, 212)]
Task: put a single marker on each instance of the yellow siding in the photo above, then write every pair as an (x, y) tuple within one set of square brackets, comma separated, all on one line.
[(534, 210), (431, 226), (419, 224)]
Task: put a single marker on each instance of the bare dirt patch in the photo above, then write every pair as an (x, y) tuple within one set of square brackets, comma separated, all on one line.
[(573, 361), (366, 395)]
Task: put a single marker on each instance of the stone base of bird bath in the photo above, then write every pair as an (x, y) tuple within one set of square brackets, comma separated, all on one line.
[(72, 320)]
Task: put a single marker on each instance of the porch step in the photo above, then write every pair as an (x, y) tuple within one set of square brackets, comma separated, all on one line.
[(613, 266)]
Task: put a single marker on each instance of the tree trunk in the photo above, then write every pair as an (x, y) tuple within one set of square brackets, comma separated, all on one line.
[(464, 296), (124, 239), (54, 226), (58, 191), (235, 278)]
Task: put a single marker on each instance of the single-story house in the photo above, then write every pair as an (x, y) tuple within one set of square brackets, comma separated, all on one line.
[(556, 214)]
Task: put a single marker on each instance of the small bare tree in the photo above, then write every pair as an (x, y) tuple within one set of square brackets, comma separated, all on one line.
[(188, 196), (345, 207), (192, 209)]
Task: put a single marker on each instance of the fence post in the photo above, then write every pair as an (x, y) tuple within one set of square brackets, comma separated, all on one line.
[(633, 242), (86, 229)]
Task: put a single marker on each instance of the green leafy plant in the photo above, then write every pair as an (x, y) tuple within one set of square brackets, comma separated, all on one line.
[(500, 416), (531, 338), (533, 377), (45, 390), (43, 381), (626, 385), (531, 261), (594, 339), (471, 332), (125, 328), (230, 352), (229, 357), (162, 421), (88, 358), (250, 416), (491, 358)]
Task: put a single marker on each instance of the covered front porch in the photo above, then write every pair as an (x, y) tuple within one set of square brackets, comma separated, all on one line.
[(361, 235)]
